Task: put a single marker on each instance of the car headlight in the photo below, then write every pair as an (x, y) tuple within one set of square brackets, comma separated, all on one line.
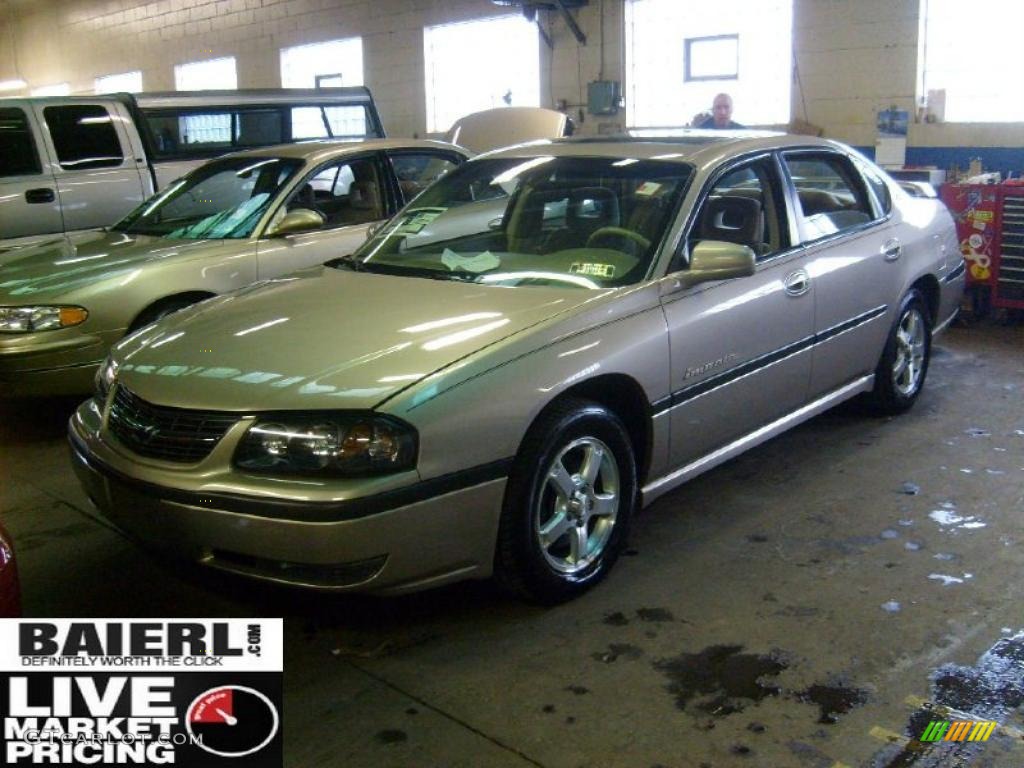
[(337, 444), (30, 319), (104, 380)]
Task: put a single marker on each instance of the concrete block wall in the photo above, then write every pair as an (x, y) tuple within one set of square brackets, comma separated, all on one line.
[(852, 57)]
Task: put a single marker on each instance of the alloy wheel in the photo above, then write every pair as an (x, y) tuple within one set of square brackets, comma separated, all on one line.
[(908, 367), (577, 505)]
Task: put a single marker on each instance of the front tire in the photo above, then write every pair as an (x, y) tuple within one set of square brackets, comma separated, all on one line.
[(568, 504), (903, 366)]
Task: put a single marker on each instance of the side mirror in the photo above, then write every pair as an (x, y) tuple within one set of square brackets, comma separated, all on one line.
[(718, 260), (297, 220)]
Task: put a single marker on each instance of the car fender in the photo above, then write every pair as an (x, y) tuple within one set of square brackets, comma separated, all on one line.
[(477, 412)]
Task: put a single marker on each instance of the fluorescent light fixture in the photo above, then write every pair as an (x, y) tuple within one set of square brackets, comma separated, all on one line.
[(57, 89), (12, 85)]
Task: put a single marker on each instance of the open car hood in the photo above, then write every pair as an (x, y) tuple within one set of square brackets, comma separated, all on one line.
[(500, 127)]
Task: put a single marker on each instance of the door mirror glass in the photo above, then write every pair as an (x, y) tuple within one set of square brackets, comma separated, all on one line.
[(297, 220)]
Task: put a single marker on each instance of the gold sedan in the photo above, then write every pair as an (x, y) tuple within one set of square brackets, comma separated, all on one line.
[(238, 219)]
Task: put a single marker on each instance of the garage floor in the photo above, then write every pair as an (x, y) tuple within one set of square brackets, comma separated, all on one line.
[(796, 607)]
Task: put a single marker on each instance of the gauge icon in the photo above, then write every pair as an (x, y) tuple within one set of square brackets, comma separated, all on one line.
[(232, 721)]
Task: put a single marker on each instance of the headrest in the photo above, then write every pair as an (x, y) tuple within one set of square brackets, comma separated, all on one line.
[(605, 211), (363, 195), (732, 219)]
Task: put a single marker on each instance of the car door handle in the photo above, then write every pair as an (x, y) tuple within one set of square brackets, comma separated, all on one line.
[(41, 195), (892, 249), (798, 283)]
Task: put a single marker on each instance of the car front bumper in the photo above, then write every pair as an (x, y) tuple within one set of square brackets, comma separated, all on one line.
[(59, 363), (373, 545)]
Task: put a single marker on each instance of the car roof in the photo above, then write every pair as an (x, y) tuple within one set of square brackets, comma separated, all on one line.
[(692, 146), (325, 149)]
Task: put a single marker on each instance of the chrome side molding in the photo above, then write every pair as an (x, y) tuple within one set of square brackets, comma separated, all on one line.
[(664, 484)]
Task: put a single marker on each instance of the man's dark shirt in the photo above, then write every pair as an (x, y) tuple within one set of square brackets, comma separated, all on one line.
[(710, 123)]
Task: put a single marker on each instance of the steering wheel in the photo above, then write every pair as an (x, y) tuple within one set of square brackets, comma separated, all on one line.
[(629, 234)]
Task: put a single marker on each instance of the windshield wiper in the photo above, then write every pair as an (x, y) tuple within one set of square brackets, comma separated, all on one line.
[(348, 261)]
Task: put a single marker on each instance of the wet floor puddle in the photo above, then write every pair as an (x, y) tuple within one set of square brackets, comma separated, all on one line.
[(991, 690), (722, 680)]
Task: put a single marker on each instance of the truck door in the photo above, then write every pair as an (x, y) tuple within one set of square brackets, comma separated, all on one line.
[(97, 173), (28, 192)]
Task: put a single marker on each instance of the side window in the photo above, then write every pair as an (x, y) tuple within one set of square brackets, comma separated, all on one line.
[(831, 196), (185, 133), (344, 193), (745, 207), (18, 156), (83, 136), (416, 171), (328, 122), (877, 184), (347, 122), (308, 123), (258, 128)]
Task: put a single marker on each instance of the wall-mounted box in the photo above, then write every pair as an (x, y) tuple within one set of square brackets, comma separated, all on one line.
[(603, 97)]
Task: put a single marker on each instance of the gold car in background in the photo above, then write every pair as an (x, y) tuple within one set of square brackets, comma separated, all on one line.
[(235, 220)]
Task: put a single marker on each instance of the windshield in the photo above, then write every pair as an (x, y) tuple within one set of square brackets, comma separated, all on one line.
[(587, 222), (222, 199)]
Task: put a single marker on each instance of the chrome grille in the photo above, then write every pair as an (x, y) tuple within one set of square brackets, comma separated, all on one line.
[(159, 432)]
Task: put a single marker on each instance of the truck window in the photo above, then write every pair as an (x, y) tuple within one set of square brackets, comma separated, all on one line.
[(18, 156), (258, 128), (346, 122), (180, 133), (83, 136)]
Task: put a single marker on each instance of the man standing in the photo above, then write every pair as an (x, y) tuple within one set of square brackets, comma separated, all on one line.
[(720, 117)]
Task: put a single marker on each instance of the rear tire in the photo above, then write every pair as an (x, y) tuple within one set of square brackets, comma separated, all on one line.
[(903, 366), (568, 504)]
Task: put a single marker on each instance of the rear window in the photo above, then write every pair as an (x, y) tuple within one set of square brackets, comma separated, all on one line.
[(84, 136), (18, 156)]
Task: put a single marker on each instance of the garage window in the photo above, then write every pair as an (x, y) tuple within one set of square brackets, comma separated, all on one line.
[(212, 74), (478, 65), (336, 62), (974, 89), (57, 89), (125, 82), (329, 64), (713, 58), (679, 55)]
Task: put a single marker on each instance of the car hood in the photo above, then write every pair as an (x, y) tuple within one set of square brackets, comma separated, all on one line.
[(44, 272), (504, 126), (326, 338)]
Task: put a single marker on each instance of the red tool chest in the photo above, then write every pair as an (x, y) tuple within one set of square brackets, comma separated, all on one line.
[(990, 227)]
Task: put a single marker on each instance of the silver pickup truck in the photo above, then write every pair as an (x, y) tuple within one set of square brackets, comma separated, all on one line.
[(80, 162)]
